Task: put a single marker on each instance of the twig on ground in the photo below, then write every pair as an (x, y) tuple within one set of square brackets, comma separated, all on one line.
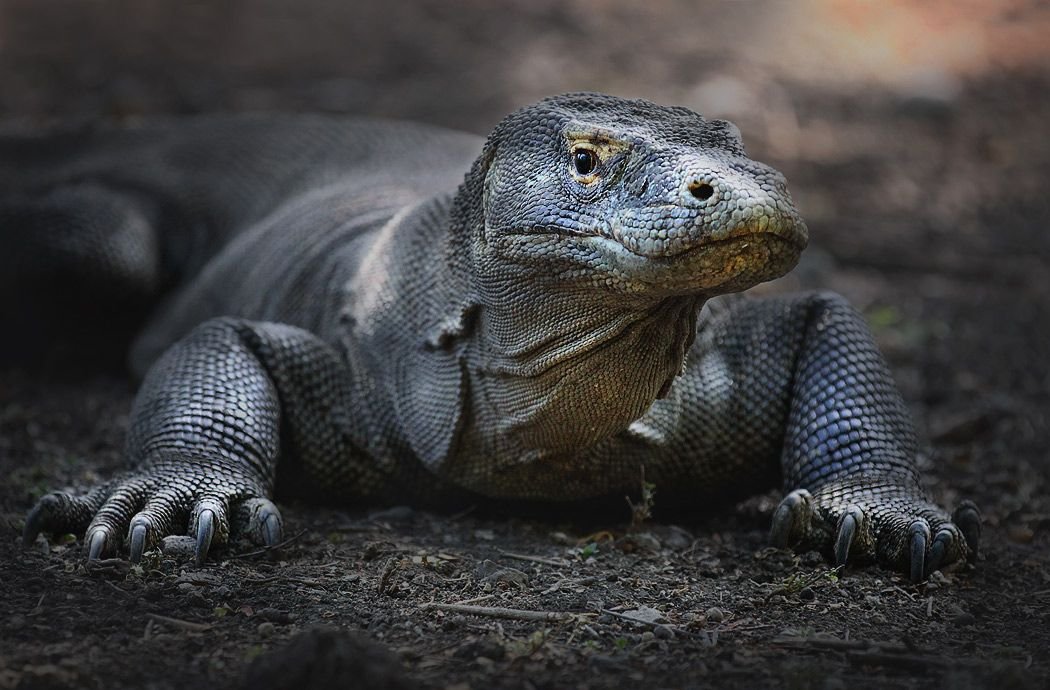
[(578, 581), (179, 623), (475, 600), (558, 563), (499, 612), (267, 549), (291, 579)]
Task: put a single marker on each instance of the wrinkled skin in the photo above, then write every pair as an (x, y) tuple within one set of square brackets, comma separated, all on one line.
[(539, 333)]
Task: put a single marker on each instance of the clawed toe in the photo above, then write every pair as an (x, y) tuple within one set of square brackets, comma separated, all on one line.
[(205, 534), (938, 550), (272, 529), (791, 519), (260, 521), (851, 526), (137, 540), (96, 544), (38, 518), (60, 513), (918, 538)]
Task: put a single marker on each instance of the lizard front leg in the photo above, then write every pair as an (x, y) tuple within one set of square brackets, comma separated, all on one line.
[(208, 426), (849, 457), (796, 384)]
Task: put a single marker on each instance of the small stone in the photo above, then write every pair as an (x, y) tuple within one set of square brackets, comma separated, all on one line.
[(964, 618), (715, 615), (647, 635), (806, 594), (662, 632), (178, 546), (645, 614), (265, 629), (938, 577)]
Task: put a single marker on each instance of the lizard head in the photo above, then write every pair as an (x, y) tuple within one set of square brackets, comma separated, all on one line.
[(634, 197)]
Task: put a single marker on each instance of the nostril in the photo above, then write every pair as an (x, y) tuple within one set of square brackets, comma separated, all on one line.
[(701, 190)]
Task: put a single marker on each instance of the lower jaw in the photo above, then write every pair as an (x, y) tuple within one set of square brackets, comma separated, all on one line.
[(730, 265)]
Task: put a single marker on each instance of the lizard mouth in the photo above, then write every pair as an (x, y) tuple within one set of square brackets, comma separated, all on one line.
[(683, 258), (679, 241), (737, 260)]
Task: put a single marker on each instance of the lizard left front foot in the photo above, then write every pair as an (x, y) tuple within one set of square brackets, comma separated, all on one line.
[(864, 520)]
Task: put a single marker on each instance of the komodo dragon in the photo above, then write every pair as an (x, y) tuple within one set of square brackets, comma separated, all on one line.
[(348, 324)]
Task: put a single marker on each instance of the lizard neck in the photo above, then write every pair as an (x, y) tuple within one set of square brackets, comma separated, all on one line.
[(553, 375), (556, 363)]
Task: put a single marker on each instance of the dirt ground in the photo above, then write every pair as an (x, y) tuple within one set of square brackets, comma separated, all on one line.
[(919, 156)]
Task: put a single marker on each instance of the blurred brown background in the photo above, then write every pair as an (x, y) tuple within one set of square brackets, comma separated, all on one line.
[(466, 63)]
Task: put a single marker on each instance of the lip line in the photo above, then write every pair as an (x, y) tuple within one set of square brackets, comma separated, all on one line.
[(735, 235)]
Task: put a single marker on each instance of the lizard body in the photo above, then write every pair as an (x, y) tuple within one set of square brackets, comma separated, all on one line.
[(355, 319)]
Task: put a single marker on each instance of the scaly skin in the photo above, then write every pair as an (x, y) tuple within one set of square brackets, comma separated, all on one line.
[(360, 330)]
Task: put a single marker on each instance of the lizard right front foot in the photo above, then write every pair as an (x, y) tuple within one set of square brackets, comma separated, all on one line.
[(139, 509), (863, 521)]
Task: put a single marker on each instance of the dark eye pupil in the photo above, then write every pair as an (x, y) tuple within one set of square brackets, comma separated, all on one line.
[(585, 161)]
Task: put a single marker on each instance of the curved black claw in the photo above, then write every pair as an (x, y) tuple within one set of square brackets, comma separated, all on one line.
[(968, 517), (36, 519), (137, 540), (919, 537), (61, 513), (941, 544), (260, 520), (96, 544), (849, 526), (791, 519), (205, 533), (271, 529)]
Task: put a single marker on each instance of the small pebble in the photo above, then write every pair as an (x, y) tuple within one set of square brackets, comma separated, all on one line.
[(715, 615), (964, 618), (647, 635), (662, 632), (265, 629), (178, 546), (806, 594)]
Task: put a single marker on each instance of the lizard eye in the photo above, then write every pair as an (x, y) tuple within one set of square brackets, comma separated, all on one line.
[(584, 161)]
